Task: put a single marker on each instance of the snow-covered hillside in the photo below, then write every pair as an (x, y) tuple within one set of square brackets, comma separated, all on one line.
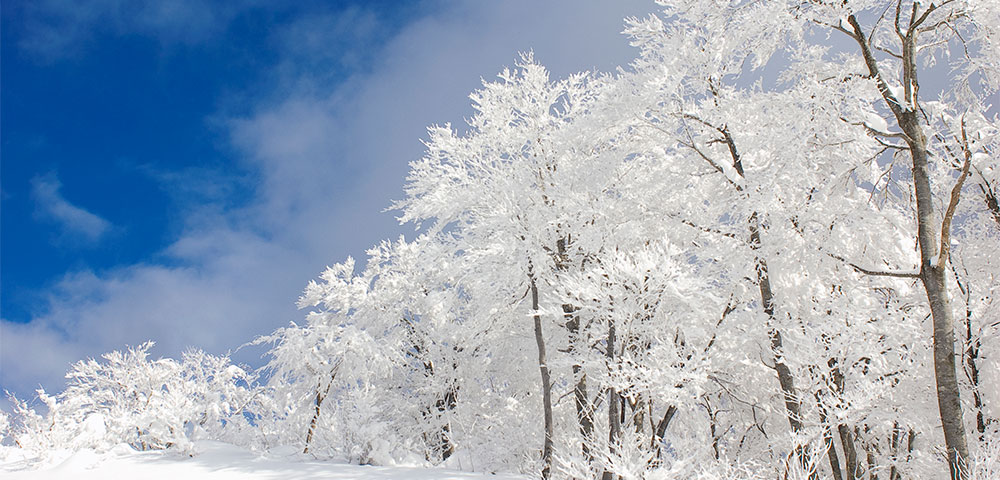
[(212, 460)]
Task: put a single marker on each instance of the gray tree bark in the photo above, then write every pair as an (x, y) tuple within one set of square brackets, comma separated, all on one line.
[(932, 258), (543, 368), (321, 394), (831, 446), (614, 402), (785, 378), (971, 353), (846, 439), (793, 408), (584, 409)]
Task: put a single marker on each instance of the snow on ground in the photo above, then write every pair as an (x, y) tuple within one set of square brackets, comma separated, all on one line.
[(212, 461)]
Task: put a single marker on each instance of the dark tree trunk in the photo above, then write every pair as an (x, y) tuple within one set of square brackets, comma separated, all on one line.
[(932, 275), (581, 399), (614, 402), (793, 409), (712, 427), (932, 258), (992, 203), (321, 394), (850, 453), (543, 368), (846, 439), (444, 405), (831, 446), (971, 355), (315, 419), (661, 426), (785, 378), (659, 431), (584, 410)]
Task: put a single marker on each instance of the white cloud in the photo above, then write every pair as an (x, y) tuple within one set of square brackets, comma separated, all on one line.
[(329, 40), (328, 161), (75, 222)]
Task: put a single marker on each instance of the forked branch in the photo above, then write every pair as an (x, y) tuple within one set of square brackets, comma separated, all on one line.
[(956, 193)]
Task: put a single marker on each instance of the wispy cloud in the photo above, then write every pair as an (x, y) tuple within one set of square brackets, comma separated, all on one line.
[(74, 222), (330, 40), (56, 29)]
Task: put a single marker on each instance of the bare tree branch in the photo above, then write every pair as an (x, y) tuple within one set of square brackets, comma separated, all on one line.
[(703, 228), (876, 273), (956, 193)]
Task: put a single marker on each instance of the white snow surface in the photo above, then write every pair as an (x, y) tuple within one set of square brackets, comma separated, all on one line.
[(877, 123), (211, 460)]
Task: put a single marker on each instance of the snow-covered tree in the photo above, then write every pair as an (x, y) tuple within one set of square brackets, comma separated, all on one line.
[(146, 404)]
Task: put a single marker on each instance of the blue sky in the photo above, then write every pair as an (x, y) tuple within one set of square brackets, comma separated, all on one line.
[(177, 171)]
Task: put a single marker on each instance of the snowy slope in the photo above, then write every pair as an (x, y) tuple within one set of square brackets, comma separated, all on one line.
[(215, 461)]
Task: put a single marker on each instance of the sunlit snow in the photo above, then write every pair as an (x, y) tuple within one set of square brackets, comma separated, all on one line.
[(211, 460)]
